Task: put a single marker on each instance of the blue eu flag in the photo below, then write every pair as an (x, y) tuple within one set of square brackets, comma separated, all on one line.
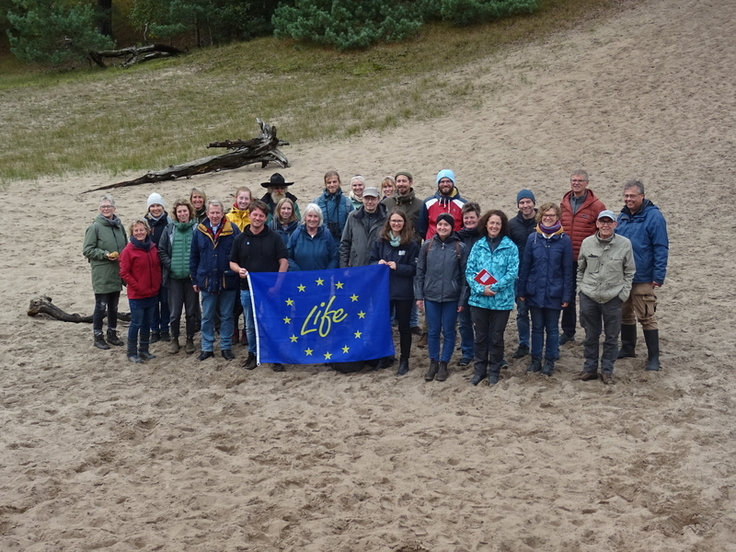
[(319, 316)]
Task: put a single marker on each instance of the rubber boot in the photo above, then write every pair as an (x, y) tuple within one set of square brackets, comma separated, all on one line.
[(479, 375), (432, 372), (133, 352), (628, 341), (143, 353), (112, 337), (442, 373), (422, 343), (403, 367), (100, 342), (652, 339)]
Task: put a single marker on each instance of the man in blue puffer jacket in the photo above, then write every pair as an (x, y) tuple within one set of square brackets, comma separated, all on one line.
[(642, 222)]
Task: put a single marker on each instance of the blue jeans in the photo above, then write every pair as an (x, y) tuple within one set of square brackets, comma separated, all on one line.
[(545, 320), (441, 317), (222, 304), (595, 317), (249, 320), (467, 337), (162, 314), (522, 319), (140, 322), (414, 318)]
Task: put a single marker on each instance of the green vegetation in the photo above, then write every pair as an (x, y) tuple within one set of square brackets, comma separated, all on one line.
[(166, 112)]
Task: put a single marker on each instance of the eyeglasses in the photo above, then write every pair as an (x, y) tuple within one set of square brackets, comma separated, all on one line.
[(549, 216), (631, 196), (107, 207)]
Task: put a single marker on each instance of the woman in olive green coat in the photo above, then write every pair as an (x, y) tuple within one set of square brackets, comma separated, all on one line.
[(103, 241)]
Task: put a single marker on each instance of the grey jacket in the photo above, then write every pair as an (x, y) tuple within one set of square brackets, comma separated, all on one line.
[(441, 271), (357, 238), (605, 268)]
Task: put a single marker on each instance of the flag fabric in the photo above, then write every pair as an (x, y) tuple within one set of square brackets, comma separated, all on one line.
[(322, 316)]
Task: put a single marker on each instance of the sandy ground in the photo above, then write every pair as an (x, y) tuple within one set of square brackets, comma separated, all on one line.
[(96, 453)]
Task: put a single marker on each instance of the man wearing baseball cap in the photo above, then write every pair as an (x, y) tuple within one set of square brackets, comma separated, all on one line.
[(605, 271)]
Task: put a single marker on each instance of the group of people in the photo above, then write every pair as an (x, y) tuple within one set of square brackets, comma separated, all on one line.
[(465, 270)]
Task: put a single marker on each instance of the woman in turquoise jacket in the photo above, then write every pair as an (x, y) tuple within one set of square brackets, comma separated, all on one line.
[(491, 275)]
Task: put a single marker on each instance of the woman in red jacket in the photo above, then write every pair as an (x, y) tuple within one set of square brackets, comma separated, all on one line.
[(141, 271)]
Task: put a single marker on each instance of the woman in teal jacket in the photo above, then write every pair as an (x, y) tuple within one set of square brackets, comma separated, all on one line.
[(491, 275)]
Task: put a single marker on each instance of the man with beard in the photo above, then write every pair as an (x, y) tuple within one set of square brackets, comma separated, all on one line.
[(277, 190), (446, 200), (405, 200)]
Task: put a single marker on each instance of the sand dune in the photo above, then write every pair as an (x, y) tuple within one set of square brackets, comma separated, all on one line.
[(97, 453)]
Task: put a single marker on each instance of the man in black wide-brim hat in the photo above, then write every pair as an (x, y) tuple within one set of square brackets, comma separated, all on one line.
[(276, 192)]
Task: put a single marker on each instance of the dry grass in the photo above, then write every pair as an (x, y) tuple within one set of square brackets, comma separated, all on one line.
[(165, 112)]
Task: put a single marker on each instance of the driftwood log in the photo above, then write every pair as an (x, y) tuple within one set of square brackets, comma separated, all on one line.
[(262, 149), (136, 54), (44, 305)]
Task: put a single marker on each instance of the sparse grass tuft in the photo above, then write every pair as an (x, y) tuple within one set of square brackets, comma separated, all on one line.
[(166, 112)]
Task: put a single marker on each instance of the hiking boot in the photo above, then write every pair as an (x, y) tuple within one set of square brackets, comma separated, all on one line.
[(227, 354), (100, 342), (250, 362), (566, 337), (521, 351), (465, 361), (189, 346), (204, 355), (165, 336), (155, 336), (442, 373), (174, 347), (112, 338), (492, 378), (607, 379), (478, 376), (534, 366), (548, 368), (504, 363), (586, 376), (432, 372)]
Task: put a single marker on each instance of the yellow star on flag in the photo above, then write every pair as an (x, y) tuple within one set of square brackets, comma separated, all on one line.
[(287, 320), (357, 335), (301, 288), (319, 281), (290, 302), (294, 339), (354, 297), (328, 356), (339, 285), (361, 314), (308, 352), (345, 349)]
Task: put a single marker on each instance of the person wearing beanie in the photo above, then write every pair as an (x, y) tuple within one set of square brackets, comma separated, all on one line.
[(523, 224), (158, 219), (446, 200)]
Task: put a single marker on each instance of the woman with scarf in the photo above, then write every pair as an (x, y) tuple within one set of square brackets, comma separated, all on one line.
[(396, 248), (140, 268), (546, 284), (491, 273), (173, 251), (158, 219), (103, 242), (357, 185)]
